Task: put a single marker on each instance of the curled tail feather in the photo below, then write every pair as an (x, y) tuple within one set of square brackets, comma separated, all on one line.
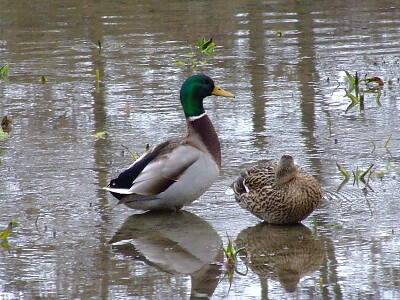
[(238, 185)]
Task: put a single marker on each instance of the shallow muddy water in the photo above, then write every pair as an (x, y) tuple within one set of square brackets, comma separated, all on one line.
[(284, 61)]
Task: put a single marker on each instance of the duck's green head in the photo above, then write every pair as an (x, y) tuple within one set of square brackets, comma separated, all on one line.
[(194, 90)]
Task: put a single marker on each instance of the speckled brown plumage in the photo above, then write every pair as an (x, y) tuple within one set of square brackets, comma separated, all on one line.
[(279, 193), (282, 253)]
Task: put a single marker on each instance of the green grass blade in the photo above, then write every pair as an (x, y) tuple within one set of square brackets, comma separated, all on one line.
[(387, 141), (373, 146), (378, 96), (365, 172), (342, 170), (4, 72), (350, 78)]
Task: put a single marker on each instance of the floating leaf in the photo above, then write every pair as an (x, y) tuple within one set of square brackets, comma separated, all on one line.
[(6, 232), (191, 54), (379, 174), (100, 134), (4, 72), (3, 135), (5, 244), (43, 79), (180, 63)]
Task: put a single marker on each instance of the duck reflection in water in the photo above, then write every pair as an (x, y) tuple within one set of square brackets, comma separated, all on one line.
[(177, 243), (283, 253)]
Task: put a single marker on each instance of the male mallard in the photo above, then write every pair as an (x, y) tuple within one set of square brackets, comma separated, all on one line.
[(279, 193), (178, 171)]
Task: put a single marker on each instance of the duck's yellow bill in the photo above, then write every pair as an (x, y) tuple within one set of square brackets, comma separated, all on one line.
[(220, 92)]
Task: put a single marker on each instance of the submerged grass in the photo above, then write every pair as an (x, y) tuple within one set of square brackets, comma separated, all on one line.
[(231, 261), (358, 176), (97, 80), (4, 72), (197, 58), (359, 87), (231, 253), (385, 144), (373, 146), (134, 156)]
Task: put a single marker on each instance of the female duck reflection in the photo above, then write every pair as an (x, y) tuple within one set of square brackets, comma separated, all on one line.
[(178, 243), (283, 253)]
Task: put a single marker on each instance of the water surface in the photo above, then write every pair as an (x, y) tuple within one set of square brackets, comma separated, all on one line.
[(285, 63)]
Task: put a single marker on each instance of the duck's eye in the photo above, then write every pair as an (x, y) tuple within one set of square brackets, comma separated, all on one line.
[(205, 81)]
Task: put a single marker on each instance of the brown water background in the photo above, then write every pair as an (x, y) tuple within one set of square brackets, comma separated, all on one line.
[(284, 61)]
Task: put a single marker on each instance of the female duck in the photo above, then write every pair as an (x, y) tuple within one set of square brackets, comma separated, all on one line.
[(178, 171), (279, 193)]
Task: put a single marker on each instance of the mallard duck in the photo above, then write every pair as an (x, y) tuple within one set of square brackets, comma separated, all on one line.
[(282, 253), (178, 243), (278, 193), (178, 171)]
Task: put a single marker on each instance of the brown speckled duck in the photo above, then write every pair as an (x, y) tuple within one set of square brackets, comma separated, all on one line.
[(281, 253), (278, 193)]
